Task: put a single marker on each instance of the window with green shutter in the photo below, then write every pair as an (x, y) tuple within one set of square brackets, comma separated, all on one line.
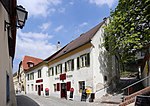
[(69, 65), (58, 69), (51, 71)]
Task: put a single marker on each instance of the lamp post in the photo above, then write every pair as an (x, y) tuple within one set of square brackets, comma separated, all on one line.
[(21, 14)]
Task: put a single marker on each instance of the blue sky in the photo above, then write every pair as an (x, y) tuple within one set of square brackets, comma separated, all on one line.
[(50, 21)]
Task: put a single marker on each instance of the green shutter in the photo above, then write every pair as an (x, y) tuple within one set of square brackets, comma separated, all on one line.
[(72, 64), (56, 70), (88, 60), (52, 71), (60, 68), (78, 63), (65, 66)]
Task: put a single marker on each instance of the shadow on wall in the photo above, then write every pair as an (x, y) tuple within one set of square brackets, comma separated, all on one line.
[(105, 61)]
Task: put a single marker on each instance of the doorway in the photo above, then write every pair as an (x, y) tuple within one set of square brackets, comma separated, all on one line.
[(63, 90), (39, 90)]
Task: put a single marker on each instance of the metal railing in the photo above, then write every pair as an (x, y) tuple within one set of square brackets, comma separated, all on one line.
[(135, 84)]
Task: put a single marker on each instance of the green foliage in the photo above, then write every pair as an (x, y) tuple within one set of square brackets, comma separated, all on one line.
[(128, 30)]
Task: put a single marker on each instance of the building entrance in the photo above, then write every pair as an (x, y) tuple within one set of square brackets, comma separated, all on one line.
[(39, 90), (63, 90)]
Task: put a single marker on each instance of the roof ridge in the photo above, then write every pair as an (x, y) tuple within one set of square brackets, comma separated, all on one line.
[(32, 57)]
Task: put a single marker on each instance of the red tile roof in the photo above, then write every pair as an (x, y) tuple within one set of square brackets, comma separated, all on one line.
[(27, 59), (83, 39)]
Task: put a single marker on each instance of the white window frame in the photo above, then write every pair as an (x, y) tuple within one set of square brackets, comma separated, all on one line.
[(51, 71)]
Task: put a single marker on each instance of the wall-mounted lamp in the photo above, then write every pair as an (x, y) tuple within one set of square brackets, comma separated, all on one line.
[(21, 18)]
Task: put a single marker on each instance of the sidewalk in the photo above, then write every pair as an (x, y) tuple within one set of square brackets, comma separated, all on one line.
[(110, 100)]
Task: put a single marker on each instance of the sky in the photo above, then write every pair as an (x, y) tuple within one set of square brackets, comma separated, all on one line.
[(50, 21)]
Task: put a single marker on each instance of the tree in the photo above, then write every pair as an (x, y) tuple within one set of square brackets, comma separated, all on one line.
[(128, 30)]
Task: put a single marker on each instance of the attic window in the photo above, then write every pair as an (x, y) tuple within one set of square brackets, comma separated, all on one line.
[(30, 64)]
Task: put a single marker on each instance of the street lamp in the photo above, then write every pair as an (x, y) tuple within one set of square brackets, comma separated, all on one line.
[(21, 14)]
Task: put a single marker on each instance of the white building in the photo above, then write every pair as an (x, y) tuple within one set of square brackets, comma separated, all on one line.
[(19, 76), (81, 64)]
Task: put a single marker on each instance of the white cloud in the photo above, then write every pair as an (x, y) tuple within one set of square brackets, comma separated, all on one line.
[(61, 10), (34, 44), (71, 3), (102, 2), (83, 24), (39, 7), (45, 26), (59, 28)]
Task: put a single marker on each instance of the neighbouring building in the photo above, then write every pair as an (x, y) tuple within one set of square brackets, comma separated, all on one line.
[(24, 65), (15, 81), (7, 50), (11, 18), (83, 64), (143, 60)]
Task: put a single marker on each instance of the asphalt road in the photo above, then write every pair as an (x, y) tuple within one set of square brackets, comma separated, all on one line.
[(23, 100), (35, 100)]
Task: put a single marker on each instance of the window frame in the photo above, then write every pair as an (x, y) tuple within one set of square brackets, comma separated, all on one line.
[(81, 86), (32, 76), (51, 71), (69, 65), (83, 61), (58, 69)]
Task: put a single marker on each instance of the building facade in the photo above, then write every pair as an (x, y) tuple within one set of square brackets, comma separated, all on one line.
[(7, 50), (26, 63), (83, 65)]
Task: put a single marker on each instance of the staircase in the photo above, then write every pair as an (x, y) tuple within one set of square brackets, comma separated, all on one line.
[(131, 98)]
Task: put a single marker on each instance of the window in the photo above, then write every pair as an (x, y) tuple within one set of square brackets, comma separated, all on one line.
[(83, 61), (7, 88), (55, 88), (59, 69), (32, 87), (69, 65), (39, 73), (32, 76), (51, 71), (28, 77), (30, 64), (81, 86)]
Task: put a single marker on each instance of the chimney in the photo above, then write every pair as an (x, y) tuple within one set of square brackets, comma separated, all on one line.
[(58, 46), (105, 19)]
